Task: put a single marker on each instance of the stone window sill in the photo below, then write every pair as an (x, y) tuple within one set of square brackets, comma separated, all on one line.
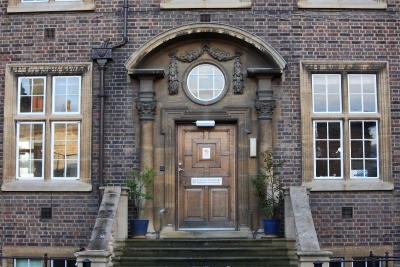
[(351, 185), (342, 4), (46, 186), (184, 4), (50, 7)]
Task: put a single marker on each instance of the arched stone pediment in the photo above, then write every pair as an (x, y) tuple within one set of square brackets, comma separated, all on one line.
[(207, 30)]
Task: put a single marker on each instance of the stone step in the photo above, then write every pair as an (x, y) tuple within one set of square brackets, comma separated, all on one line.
[(204, 261), (272, 252), (266, 242), (201, 252)]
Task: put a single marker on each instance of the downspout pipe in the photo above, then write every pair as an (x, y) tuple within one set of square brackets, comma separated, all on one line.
[(102, 56)]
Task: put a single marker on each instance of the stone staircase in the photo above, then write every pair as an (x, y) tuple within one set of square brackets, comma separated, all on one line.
[(272, 252)]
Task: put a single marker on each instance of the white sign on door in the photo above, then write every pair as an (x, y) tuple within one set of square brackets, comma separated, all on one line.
[(206, 152), (207, 181)]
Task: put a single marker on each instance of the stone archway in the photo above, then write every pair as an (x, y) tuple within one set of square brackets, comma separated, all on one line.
[(247, 63)]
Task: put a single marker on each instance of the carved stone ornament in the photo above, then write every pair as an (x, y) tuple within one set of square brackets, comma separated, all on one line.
[(265, 108), (173, 81), (146, 109), (44, 70), (237, 74)]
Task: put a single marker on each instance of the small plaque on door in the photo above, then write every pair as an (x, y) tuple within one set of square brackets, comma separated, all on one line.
[(207, 181), (206, 153)]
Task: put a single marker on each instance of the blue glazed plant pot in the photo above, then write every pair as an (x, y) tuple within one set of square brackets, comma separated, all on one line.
[(271, 227), (139, 228)]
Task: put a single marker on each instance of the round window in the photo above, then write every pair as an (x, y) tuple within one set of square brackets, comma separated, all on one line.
[(206, 82)]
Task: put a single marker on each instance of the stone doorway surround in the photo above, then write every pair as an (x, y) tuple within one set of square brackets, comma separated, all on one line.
[(161, 108)]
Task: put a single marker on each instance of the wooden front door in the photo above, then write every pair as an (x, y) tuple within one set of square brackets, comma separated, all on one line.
[(206, 177)]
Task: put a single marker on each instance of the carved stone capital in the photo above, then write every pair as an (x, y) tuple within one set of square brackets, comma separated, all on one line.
[(265, 108), (146, 109)]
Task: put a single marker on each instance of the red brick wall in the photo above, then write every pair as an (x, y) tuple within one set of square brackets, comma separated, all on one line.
[(295, 34)]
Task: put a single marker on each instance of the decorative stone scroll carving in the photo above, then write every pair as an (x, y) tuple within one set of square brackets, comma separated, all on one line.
[(173, 81), (189, 56), (237, 74), (146, 109), (216, 54), (265, 108)]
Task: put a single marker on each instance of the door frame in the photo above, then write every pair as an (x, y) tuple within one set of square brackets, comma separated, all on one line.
[(170, 118)]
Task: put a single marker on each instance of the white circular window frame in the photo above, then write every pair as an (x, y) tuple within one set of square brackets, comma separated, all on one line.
[(195, 99)]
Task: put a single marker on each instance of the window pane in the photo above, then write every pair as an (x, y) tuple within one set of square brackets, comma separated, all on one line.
[(321, 168), (31, 92), (321, 132), (58, 263), (362, 93), (319, 103), (205, 82), (334, 130), (28, 263), (35, 263), (354, 84), (66, 94), (370, 130), (335, 168), (333, 103), (355, 103), (319, 84), (192, 82), (364, 149), (321, 149), (206, 95), (21, 262), (30, 150), (205, 69), (326, 93), (372, 168), (368, 83), (356, 130), (65, 147), (333, 82), (369, 103), (327, 149)]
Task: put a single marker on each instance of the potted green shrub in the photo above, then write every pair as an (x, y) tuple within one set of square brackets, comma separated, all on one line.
[(138, 183), (268, 190)]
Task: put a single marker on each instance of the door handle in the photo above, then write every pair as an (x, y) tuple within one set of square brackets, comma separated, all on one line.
[(179, 167)]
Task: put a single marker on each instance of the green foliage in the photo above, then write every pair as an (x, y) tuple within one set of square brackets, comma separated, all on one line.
[(138, 183), (268, 187)]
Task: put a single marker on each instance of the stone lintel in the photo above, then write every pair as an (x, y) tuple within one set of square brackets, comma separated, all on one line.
[(258, 72), (147, 73)]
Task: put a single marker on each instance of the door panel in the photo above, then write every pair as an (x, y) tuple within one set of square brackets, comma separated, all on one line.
[(206, 193)]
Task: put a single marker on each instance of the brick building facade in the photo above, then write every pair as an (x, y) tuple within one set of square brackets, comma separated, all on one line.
[(293, 40)]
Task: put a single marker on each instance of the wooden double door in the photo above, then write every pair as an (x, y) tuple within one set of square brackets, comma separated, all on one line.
[(206, 177)]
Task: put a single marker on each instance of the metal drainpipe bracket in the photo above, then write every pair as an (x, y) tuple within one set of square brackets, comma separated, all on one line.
[(102, 53)]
